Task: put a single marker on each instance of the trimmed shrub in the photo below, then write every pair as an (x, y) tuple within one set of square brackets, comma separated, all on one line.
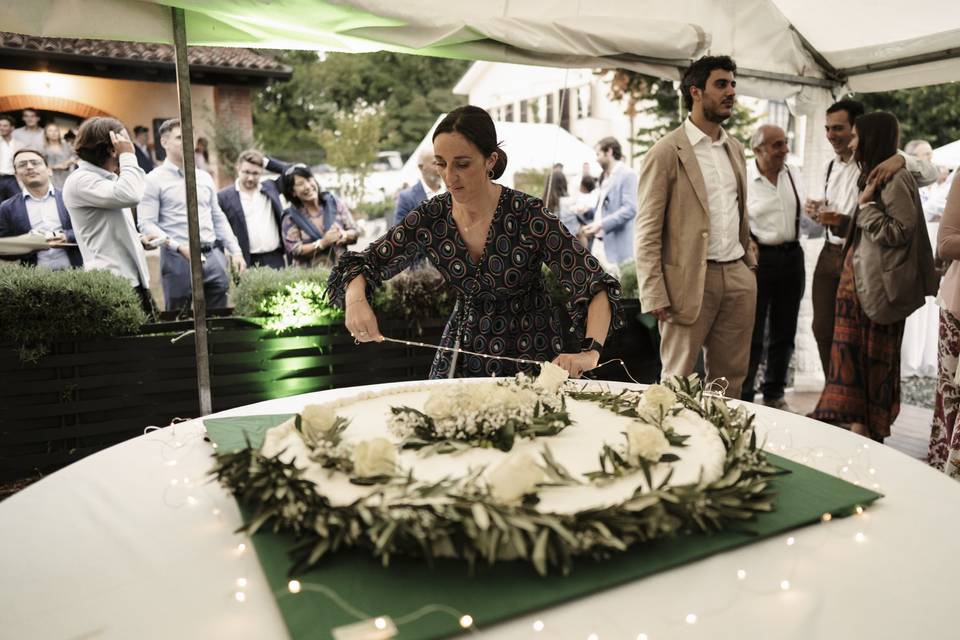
[(258, 285), (42, 306), (628, 280)]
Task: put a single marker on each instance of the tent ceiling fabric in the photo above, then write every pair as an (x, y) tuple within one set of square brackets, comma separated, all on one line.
[(654, 36)]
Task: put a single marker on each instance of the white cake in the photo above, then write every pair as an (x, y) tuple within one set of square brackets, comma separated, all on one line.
[(576, 448)]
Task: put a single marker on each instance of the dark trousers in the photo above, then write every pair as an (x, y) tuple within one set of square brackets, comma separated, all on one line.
[(780, 282), (9, 186), (177, 290), (273, 259), (826, 280), (146, 303)]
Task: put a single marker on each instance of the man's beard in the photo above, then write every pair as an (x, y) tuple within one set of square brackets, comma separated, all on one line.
[(715, 116)]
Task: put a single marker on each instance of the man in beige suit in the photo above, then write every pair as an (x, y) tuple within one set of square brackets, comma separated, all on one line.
[(694, 257)]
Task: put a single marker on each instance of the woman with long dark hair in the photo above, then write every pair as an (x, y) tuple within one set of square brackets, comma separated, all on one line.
[(887, 271), (316, 227), (489, 243)]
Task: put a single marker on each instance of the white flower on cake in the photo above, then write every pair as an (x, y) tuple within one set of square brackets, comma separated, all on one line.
[(316, 421), (517, 475), (656, 401), (376, 457), (551, 376), (645, 441)]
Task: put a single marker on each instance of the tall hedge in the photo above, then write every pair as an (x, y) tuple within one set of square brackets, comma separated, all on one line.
[(39, 306)]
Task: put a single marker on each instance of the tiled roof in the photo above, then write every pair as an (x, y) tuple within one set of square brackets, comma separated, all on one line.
[(222, 58)]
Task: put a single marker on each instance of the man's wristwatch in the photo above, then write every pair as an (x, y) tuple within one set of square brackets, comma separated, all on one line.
[(589, 344)]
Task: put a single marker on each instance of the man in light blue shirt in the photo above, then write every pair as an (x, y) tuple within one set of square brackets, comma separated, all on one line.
[(39, 209), (163, 211)]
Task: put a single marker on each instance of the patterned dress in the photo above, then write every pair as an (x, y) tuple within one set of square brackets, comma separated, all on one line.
[(332, 211), (863, 383), (945, 435), (503, 307)]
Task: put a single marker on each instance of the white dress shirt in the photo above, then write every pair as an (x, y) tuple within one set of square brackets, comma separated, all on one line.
[(98, 202), (29, 139), (773, 208), (7, 149), (841, 192), (45, 219), (430, 192), (163, 209), (723, 199), (261, 225)]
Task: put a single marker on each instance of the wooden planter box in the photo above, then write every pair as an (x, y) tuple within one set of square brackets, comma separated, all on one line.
[(87, 395)]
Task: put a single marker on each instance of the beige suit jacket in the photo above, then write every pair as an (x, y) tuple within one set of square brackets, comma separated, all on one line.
[(673, 226)]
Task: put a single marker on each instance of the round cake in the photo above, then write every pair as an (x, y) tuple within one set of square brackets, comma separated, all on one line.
[(542, 469)]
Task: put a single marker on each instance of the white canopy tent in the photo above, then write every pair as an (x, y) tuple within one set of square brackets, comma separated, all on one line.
[(805, 51), (865, 45), (948, 155)]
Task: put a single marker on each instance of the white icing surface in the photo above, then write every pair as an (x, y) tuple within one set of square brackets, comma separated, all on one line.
[(577, 448)]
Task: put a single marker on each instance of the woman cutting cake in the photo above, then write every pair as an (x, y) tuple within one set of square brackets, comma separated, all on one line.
[(488, 242)]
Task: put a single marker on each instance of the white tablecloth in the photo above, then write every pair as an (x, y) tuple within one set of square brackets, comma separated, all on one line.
[(918, 355), (124, 544)]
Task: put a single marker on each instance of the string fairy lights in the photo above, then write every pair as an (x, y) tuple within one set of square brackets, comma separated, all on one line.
[(178, 441)]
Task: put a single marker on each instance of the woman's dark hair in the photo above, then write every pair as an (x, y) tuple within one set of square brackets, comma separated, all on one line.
[(878, 138), (476, 125), (93, 140), (289, 174), (697, 73), (589, 183)]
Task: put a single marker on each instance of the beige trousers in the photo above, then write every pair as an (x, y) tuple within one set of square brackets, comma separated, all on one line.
[(723, 329)]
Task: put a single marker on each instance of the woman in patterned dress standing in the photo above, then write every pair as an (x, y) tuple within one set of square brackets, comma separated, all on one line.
[(488, 242)]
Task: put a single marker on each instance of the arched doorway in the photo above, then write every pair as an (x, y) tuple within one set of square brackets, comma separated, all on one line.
[(62, 111)]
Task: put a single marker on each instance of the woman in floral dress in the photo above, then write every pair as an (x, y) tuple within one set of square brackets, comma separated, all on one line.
[(488, 242), (945, 435), (316, 227)]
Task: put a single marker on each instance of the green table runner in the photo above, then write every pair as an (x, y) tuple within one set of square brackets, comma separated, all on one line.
[(506, 589)]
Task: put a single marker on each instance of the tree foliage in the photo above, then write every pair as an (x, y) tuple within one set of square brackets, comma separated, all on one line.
[(351, 146), (414, 90), (925, 113)]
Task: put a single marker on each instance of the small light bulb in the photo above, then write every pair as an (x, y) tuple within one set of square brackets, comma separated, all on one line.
[(791, 541), (593, 636), (643, 636), (859, 537), (191, 500), (215, 445), (538, 625), (174, 482), (171, 463), (844, 469), (380, 623), (215, 511), (177, 444), (466, 621), (241, 548), (294, 587), (240, 596), (859, 510), (866, 446), (741, 574), (784, 584), (873, 471), (186, 480), (241, 582), (827, 517), (691, 618)]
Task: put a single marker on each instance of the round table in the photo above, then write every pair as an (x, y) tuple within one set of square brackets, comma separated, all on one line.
[(134, 542)]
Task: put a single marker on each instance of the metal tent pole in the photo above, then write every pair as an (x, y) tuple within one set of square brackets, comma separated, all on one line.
[(193, 220)]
